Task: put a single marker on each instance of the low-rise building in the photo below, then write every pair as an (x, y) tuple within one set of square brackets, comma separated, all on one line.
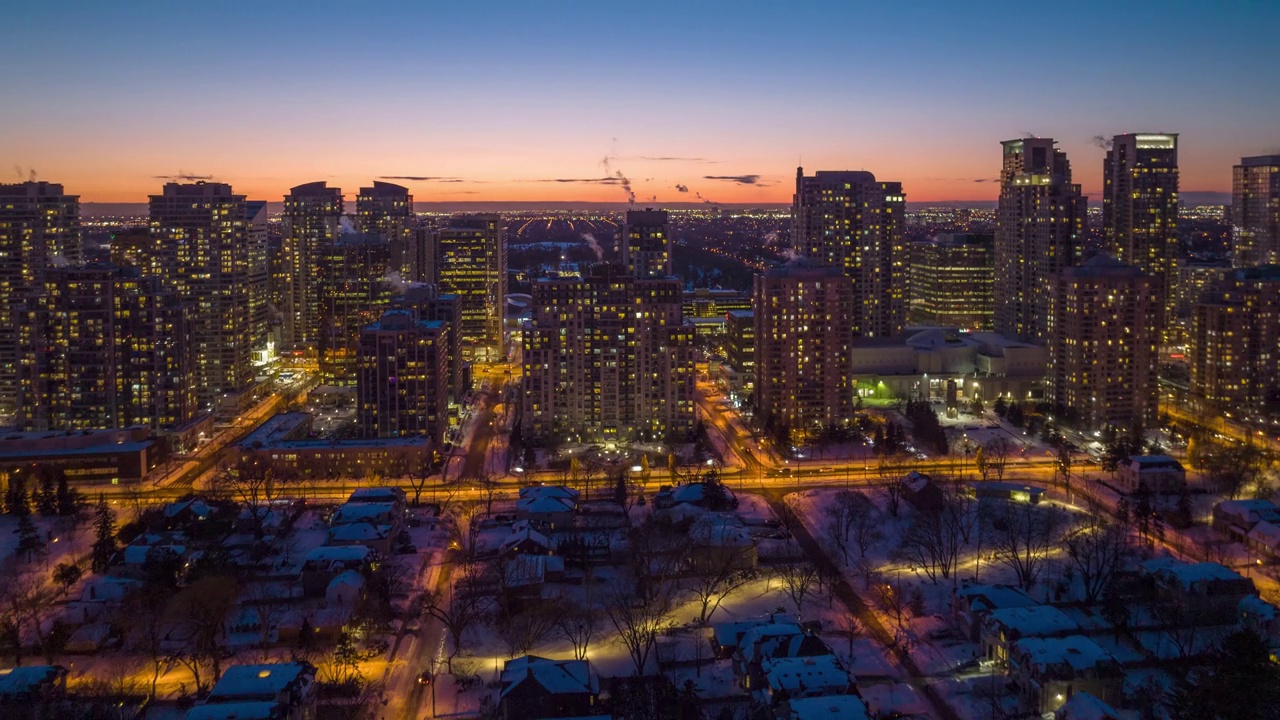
[(1207, 592), (34, 691), (534, 688), (827, 707), (971, 604), (1002, 628), (1159, 474), (290, 686), (87, 457), (547, 506), (1048, 671), (921, 364), (281, 443), (788, 678), (1237, 517)]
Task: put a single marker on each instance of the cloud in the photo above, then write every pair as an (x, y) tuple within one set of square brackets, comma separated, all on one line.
[(182, 176), (986, 179), (682, 188), (740, 179), (589, 181), (421, 178), (1099, 141)]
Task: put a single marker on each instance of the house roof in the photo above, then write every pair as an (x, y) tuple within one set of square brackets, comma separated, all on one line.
[(1266, 533), (521, 535), (558, 677), (544, 504), (363, 512), (265, 681), (1188, 574), (548, 491), (21, 680), (804, 674), (358, 532), (1074, 651), (349, 578), (347, 553), (1085, 706), (1154, 462), (731, 632), (835, 707), (992, 597), (1032, 620), (254, 710)]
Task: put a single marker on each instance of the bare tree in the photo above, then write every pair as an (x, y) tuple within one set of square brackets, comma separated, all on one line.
[(891, 601), (198, 612), (656, 557), (933, 542), (522, 631), (270, 610), (841, 514), (723, 571), (579, 624), (254, 483), (797, 581), (25, 602), (996, 455), (639, 623), (1022, 536), (458, 607), (1097, 549), (419, 471), (144, 614), (890, 470)]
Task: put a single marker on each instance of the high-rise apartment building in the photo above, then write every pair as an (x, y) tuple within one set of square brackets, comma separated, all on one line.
[(354, 291), (646, 243), (1103, 343), (470, 261), (429, 304), (312, 224), (740, 343), (1255, 210), (39, 229), (202, 240), (261, 322), (608, 358), (1140, 210), (951, 281), (803, 311), (852, 221), (1234, 344), (105, 347), (1039, 232), (403, 386), (387, 209)]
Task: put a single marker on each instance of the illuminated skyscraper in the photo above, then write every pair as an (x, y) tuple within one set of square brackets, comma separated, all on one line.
[(39, 229), (312, 223), (608, 358), (470, 261), (105, 347), (1103, 343), (201, 245), (387, 209), (1255, 210), (1140, 209), (852, 221), (260, 320), (951, 279), (803, 311), (354, 291), (403, 386), (1234, 344), (1039, 231), (646, 243)]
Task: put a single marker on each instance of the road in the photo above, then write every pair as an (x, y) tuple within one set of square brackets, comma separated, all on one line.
[(486, 429)]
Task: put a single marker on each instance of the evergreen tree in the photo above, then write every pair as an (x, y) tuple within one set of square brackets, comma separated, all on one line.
[(15, 497), (68, 500), (29, 540), (46, 498), (104, 528)]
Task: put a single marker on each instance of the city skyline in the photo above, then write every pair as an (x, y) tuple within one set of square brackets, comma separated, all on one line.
[(722, 104)]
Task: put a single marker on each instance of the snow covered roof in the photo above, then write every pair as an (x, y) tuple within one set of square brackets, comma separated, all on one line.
[(805, 675), (1084, 706), (835, 707), (363, 512), (752, 637), (1031, 621), (137, 554), (358, 532), (1076, 652), (916, 481), (1253, 606), (558, 677), (195, 506), (21, 680), (260, 682), (543, 504), (731, 632), (254, 710), (710, 530), (345, 553), (1265, 533), (350, 578), (375, 495), (526, 570), (107, 588), (548, 491), (1189, 574), (993, 597), (521, 535)]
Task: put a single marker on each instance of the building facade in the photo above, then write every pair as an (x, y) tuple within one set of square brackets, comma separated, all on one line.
[(951, 281), (1103, 344), (646, 243), (1255, 211), (1039, 231), (386, 209), (201, 245), (802, 319), (312, 224), (852, 221), (1140, 209), (607, 357), (355, 289), (470, 262), (105, 347), (1234, 344), (39, 228), (403, 382)]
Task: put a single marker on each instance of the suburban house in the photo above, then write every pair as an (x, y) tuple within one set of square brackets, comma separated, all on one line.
[(534, 688), (1084, 706), (1236, 518), (524, 540), (1209, 593), (726, 636), (788, 678), (1159, 474), (32, 691), (547, 506), (718, 544), (827, 707), (290, 687), (1002, 628), (1049, 671), (1264, 539), (321, 565), (971, 603), (922, 492)]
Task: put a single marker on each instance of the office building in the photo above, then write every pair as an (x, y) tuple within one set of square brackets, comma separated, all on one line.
[(403, 385), (39, 228), (951, 281), (646, 243), (202, 237), (1140, 210), (355, 289), (1039, 230), (1255, 211), (852, 221), (470, 261), (1234, 343), (1103, 344), (740, 341), (386, 209), (312, 224), (931, 363), (105, 347), (803, 311), (608, 358)]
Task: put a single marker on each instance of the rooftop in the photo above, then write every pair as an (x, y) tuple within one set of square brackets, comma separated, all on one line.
[(558, 677), (265, 681), (1075, 651), (836, 707)]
